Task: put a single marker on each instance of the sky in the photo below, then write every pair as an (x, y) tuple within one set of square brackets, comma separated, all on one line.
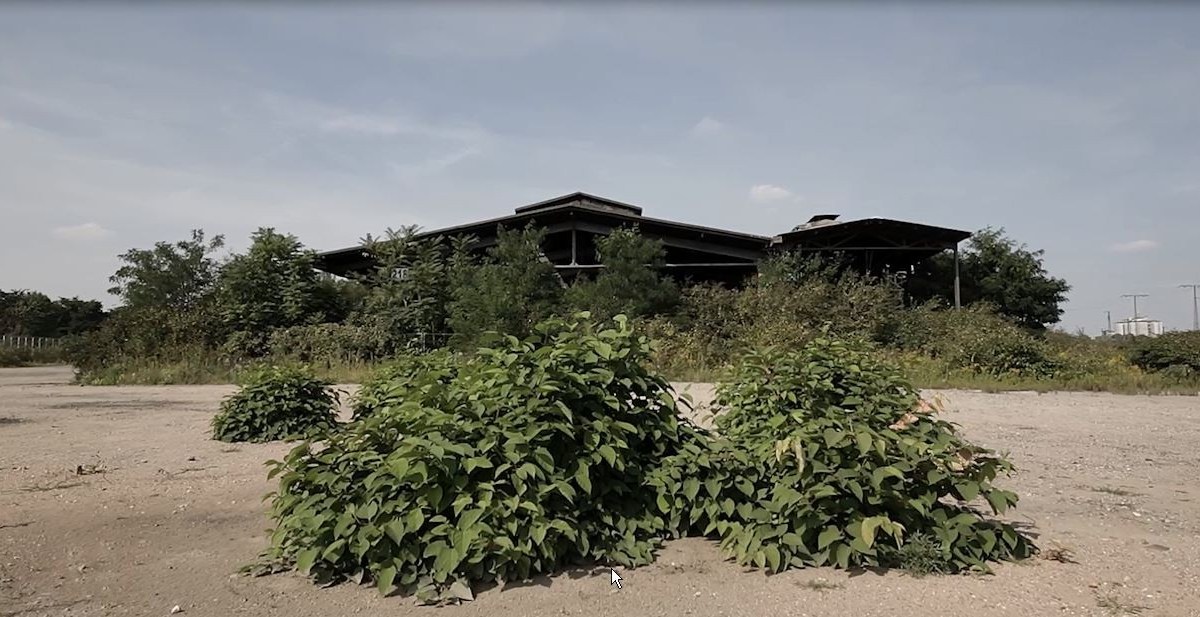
[(1073, 126)]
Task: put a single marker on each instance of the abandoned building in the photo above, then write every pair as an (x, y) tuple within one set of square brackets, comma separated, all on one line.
[(693, 253)]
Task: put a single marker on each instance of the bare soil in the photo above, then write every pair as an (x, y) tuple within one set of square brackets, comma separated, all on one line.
[(113, 501)]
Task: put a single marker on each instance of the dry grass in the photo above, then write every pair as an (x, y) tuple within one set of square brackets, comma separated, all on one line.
[(1059, 553), (1117, 607), (819, 584), (1112, 490)]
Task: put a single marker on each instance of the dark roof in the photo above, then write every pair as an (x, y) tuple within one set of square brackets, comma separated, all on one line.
[(580, 198), (872, 233), (566, 206), (897, 242)]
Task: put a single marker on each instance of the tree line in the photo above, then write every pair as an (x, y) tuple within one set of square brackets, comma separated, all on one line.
[(183, 298)]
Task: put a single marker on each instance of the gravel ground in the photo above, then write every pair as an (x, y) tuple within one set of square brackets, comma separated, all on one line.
[(113, 501)]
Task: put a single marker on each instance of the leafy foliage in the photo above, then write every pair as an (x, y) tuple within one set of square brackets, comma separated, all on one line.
[(273, 285), (631, 282), (1176, 352), (512, 290), (847, 463), (32, 313), (997, 270), (976, 339), (494, 466), (409, 289), (277, 402), (176, 275), (562, 447), (409, 376), (331, 342), (789, 303), (147, 334)]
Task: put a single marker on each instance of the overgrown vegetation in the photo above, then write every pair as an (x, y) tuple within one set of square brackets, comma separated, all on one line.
[(493, 466), (277, 402), (564, 447), (190, 316), (849, 467), (25, 356)]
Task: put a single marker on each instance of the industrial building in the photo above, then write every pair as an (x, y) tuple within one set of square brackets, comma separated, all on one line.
[(694, 253)]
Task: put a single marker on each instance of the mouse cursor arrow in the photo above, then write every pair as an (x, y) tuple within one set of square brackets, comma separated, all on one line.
[(615, 578)]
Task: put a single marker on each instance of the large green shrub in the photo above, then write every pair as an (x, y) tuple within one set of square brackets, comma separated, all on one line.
[(791, 301), (632, 281), (331, 343), (406, 377), (1175, 352), (561, 448), (517, 459), (277, 402), (845, 465), (975, 339)]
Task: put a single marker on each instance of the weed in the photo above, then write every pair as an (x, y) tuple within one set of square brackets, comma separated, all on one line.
[(1117, 607), (1059, 553), (921, 555), (90, 470), (54, 486), (819, 584), (1111, 490)]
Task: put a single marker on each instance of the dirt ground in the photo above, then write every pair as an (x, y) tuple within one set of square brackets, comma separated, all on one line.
[(113, 501)]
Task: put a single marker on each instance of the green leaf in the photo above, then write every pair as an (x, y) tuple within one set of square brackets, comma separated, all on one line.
[(887, 471), (967, 490), (827, 536), (305, 560), (583, 479), (772, 555), (395, 530), (841, 553), (385, 578), (460, 590), (863, 438)]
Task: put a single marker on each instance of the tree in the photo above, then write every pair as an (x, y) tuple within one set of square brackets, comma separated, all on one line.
[(32, 313), (408, 289), (273, 285), (631, 282), (26, 313), (513, 289), (177, 276), (76, 316), (995, 269)]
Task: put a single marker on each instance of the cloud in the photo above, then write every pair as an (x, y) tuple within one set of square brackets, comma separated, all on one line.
[(84, 231), (707, 127), (381, 125), (429, 167), (1135, 246), (765, 193)]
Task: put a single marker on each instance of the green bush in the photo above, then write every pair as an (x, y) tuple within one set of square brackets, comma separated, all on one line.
[(145, 336), (563, 448), (1177, 353), (791, 301), (515, 460), (975, 339), (13, 356), (404, 378), (277, 403), (847, 465), (331, 343)]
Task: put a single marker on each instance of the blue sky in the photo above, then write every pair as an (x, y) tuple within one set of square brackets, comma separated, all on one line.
[(1073, 126)]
